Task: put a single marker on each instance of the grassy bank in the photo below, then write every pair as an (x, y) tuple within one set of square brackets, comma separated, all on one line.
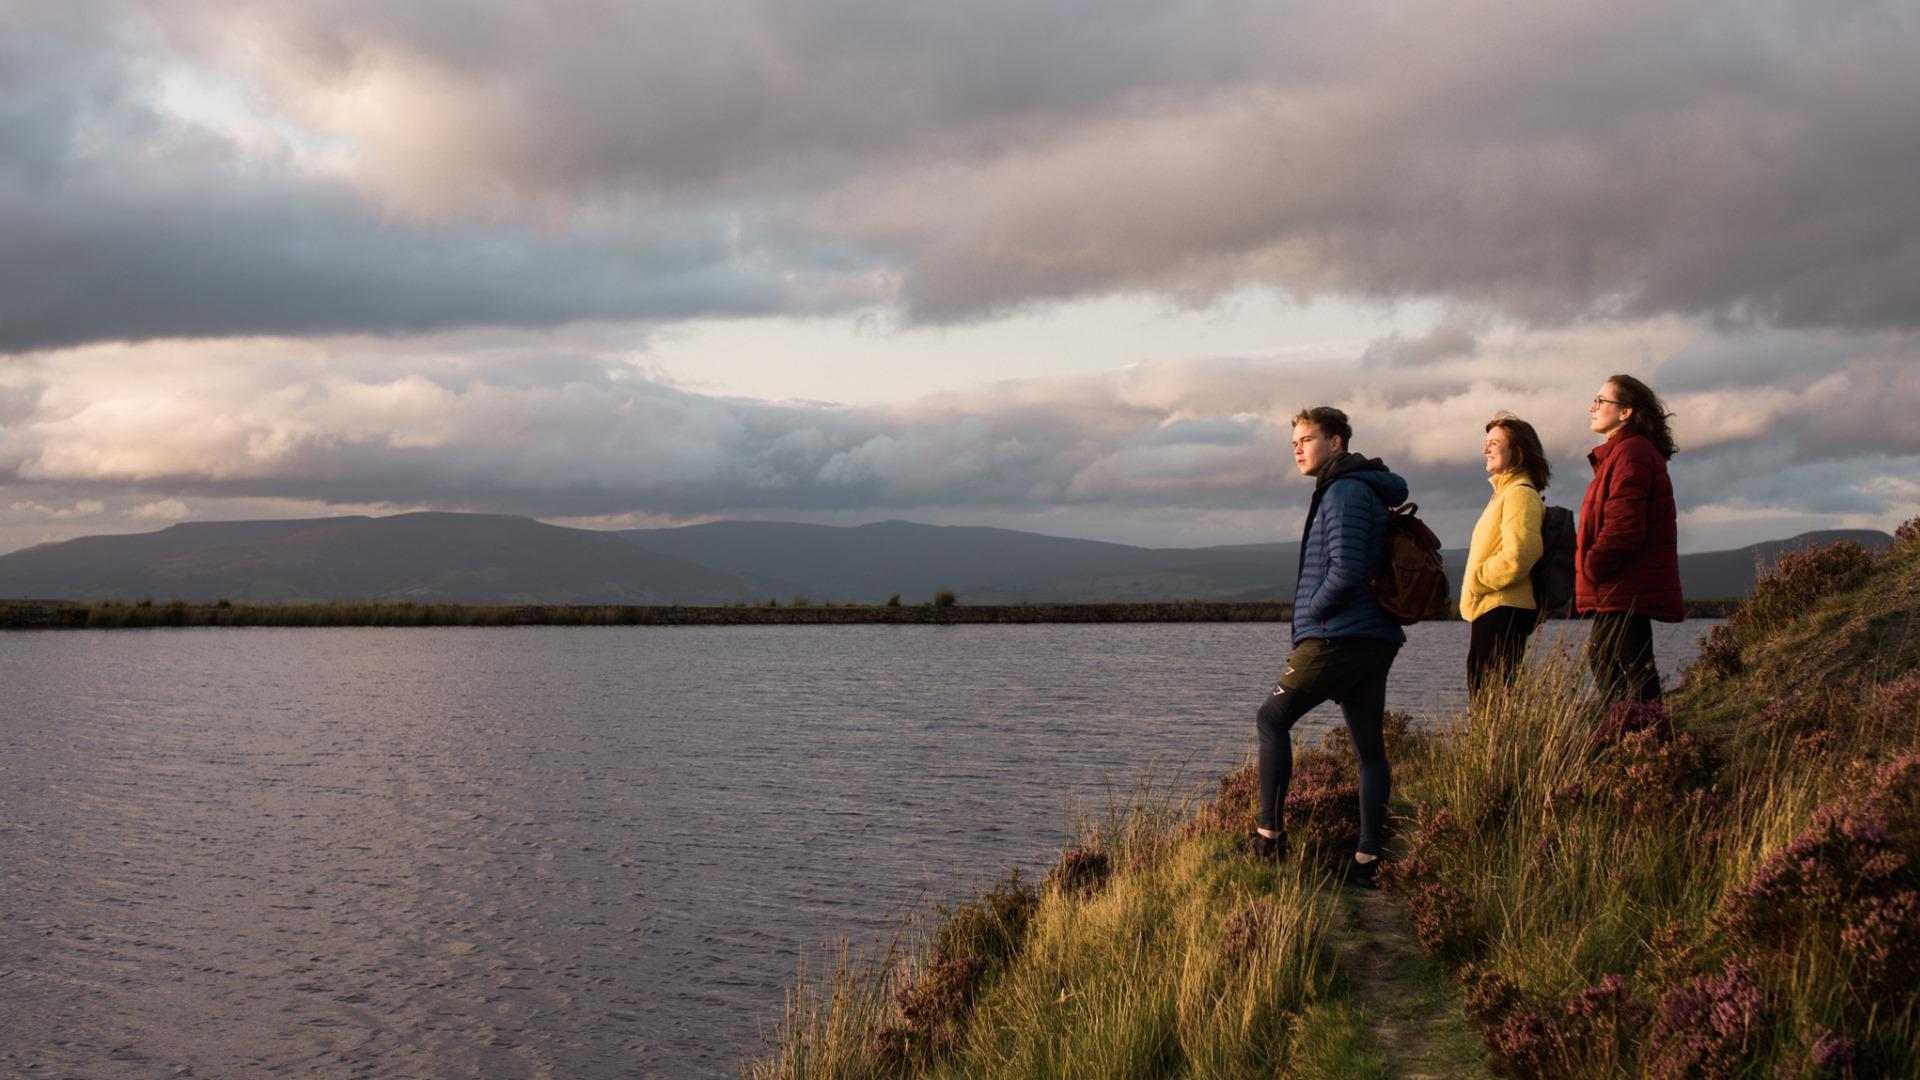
[(118, 615), (1727, 889)]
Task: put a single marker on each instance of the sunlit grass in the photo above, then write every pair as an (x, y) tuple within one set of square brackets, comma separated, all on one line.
[(1151, 950), (1731, 889)]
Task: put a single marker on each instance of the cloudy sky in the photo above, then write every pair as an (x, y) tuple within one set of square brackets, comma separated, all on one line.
[(1059, 265)]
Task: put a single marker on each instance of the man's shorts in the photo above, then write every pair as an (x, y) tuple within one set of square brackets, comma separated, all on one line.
[(1350, 671)]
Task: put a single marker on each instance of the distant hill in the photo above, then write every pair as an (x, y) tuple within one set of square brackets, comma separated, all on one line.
[(872, 562), (485, 558), (431, 557)]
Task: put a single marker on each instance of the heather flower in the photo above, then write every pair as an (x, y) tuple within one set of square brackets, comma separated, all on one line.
[(1443, 921), (1719, 652), (1794, 714), (1832, 1054), (1628, 717), (1672, 955), (1893, 708), (1246, 931), (1569, 795), (1439, 826), (937, 1006), (1521, 1046), (1599, 1025), (1488, 996), (1146, 854), (1234, 809), (1802, 577), (1081, 871), (1603, 1022), (891, 1046), (1435, 829), (1652, 772), (1907, 531), (1847, 886), (1708, 1028), (1813, 747), (1514, 1029), (1398, 734), (1323, 804), (1790, 587), (1491, 814), (994, 927)]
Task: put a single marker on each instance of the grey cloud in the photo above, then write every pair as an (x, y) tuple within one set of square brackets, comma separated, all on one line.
[(656, 160), (666, 94), (1655, 159), (1771, 475), (124, 224), (1793, 359), (220, 259), (1444, 342)]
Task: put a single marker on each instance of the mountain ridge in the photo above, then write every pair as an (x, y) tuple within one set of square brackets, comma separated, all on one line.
[(495, 558)]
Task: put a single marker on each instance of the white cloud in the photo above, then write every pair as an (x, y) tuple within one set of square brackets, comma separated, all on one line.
[(160, 510), (83, 508)]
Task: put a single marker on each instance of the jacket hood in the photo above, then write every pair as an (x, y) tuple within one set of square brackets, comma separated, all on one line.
[(1386, 483)]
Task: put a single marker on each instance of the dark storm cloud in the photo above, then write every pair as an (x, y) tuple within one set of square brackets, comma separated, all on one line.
[(223, 257), (122, 223), (529, 165)]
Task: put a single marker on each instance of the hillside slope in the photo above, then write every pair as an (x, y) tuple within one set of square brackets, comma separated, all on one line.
[(430, 557)]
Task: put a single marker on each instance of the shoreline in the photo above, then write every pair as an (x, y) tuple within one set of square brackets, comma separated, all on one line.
[(114, 615)]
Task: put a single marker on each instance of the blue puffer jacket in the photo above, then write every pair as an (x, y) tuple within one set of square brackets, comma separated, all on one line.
[(1346, 533)]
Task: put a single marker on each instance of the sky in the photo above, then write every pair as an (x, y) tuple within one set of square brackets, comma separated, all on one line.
[(1057, 265)]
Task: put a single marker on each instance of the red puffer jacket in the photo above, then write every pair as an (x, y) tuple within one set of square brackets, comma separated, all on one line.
[(1627, 557)]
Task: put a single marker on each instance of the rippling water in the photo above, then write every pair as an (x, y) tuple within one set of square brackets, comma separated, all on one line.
[(548, 852)]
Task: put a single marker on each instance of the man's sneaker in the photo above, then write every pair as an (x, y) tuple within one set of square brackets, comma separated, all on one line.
[(1268, 848), (1362, 875)]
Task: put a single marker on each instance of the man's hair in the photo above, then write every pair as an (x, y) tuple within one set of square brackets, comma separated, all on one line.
[(1525, 443), (1331, 422), (1650, 415)]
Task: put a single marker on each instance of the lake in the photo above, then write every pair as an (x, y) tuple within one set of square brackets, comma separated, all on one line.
[(591, 852)]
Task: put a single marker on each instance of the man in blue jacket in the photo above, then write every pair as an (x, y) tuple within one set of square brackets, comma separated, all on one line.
[(1343, 643)]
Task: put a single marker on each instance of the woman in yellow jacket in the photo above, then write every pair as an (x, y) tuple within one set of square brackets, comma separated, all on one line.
[(1496, 593)]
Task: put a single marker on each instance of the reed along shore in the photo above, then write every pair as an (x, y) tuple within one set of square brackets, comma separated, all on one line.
[(54, 615), (115, 615)]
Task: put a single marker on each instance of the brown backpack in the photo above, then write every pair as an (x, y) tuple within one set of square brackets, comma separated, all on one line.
[(1411, 584)]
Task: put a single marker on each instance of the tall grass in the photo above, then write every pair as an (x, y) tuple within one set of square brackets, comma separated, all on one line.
[(1729, 889), (1151, 949)]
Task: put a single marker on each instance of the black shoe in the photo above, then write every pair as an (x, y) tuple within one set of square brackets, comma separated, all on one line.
[(1267, 848), (1362, 875)]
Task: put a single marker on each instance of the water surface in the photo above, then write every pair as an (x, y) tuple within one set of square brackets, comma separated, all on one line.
[(569, 852)]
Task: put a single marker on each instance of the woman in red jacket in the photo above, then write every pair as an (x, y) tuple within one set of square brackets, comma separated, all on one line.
[(1627, 557)]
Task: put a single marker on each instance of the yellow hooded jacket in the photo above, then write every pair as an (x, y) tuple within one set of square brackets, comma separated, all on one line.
[(1506, 544)]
